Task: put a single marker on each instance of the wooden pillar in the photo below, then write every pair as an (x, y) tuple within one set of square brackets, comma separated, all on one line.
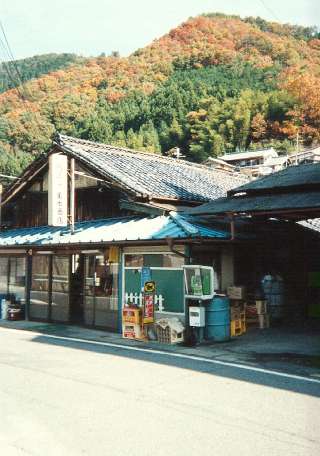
[(28, 284), (72, 195)]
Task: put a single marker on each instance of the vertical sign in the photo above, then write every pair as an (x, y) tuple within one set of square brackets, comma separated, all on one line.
[(145, 276), (148, 302), (58, 190)]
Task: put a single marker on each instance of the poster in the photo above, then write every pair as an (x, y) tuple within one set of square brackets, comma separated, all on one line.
[(148, 308)]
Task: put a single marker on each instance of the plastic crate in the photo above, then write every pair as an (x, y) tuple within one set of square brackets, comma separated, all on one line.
[(132, 331), (132, 315), (236, 328)]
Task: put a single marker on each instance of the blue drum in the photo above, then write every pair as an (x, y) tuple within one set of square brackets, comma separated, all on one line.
[(218, 319)]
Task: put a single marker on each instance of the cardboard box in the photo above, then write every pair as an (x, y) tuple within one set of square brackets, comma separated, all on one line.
[(235, 313), (236, 292)]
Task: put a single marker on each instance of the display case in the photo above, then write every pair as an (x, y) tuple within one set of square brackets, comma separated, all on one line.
[(199, 282)]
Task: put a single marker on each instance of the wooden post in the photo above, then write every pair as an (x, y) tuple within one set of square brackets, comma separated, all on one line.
[(1, 188), (232, 227), (72, 196), (28, 284)]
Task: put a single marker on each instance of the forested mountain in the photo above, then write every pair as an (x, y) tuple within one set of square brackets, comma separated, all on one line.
[(12, 72), (214, 84)]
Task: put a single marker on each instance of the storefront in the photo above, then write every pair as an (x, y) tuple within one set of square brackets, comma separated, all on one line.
[(86, 278), (90, 218), (78, 288)]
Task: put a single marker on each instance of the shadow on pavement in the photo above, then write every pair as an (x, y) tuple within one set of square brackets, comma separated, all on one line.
[(246, 373)]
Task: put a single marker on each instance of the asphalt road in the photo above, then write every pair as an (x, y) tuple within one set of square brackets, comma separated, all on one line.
[(60, 397)]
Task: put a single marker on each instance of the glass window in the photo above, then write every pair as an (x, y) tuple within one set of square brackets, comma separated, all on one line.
[(89, 273), (3, 275), (106, 293), (166, 260), (39, 296), (60, 288), (17, 277), (101, 291), (173, 261), (134, 261)]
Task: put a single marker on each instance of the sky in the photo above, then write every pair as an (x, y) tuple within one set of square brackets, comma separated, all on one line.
[(90, 27)]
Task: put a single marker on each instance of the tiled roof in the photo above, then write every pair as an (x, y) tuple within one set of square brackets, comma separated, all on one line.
[(259, 203), (151, 175), (112, 230), (293, 176)]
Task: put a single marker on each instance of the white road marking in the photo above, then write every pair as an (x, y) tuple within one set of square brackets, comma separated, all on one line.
[(170, 354)]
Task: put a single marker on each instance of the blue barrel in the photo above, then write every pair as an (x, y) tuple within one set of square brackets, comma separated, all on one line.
[(218, 319)]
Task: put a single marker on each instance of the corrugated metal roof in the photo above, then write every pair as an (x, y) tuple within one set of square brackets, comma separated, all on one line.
[(150, 174), (112, 230)]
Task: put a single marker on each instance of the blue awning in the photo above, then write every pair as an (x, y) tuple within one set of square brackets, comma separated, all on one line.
[(113, 230)]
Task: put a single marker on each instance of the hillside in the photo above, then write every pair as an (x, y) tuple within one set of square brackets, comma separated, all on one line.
[(215, 83), (33, 67)]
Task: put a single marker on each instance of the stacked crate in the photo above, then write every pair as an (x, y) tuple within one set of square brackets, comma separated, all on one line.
[(237, 297), (257, 315), (132, 327), (237, 317)]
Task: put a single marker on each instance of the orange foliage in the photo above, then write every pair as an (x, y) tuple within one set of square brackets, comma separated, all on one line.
[(201, 41), (305, 87)]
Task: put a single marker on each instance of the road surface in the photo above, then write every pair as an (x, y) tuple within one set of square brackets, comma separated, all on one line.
[(60, 397)]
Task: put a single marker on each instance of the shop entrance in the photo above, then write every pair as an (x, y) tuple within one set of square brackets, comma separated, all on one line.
[(100, 295), (76, 289)]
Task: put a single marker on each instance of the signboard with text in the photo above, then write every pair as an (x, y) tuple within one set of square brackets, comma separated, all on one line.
[(58, 190), (148, 308)]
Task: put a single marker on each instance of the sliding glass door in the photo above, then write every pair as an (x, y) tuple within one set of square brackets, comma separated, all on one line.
[(101, 292), (39, 293), (60, 310)]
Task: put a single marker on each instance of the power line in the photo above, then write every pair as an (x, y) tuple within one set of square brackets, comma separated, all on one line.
[(21, 88), (7, 49), (269, 10), (10, 53)]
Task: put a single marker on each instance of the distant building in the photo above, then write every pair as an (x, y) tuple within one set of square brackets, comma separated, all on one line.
[(252, 162), (219, 164), (307, 156), (262, 162)]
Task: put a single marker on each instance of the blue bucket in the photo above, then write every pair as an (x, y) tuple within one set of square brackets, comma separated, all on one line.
[(218, 319)]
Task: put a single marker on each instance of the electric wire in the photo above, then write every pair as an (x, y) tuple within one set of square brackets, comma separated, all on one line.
[(6, 65), (21, 88), (269, 10), (13, 60)]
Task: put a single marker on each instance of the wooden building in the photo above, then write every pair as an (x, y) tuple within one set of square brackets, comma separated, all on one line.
[(283, 209), (82, 220)]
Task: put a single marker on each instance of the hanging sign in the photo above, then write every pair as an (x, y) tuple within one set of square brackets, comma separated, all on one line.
[(145, 276), (58, 190)]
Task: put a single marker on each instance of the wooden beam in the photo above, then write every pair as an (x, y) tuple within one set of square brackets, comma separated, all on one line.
[(141, 207)]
